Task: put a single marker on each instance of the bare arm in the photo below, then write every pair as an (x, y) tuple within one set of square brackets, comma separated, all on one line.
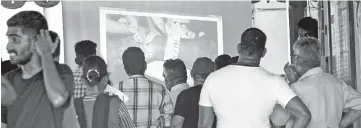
[(167, 108), (54, 85), (206, 117), (177, 122), (299, 111), (8, 94), (279, 116), (350, 117)]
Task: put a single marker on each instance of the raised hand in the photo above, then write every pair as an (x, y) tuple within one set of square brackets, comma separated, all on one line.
[(44, 45), (291, 74)]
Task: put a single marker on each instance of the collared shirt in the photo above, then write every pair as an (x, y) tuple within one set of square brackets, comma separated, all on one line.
[(149, 103), (175, 90), (79, 87), (325, 96)]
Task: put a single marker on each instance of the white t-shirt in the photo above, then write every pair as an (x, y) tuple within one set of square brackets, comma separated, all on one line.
[(244, 97)]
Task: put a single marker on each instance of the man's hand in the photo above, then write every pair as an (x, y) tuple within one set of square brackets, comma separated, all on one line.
[(291, 74), (44, 45)]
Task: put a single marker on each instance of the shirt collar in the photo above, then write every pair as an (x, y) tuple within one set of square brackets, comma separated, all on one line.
[(179, 86), (311, 72), (136, 76)]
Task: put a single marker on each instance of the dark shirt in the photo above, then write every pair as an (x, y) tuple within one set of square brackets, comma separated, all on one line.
[(187, 106), (6, 67), (32, 106)]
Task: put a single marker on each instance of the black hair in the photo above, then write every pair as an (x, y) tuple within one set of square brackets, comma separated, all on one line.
[(253, 42), (85, 47), (28, 19), (134, 61), (222, 61), (233, 60), (94, 69), (309, 24), (176, 69), (55, 36)]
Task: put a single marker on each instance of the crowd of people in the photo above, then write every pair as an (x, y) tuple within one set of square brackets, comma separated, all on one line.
[(229, 92)]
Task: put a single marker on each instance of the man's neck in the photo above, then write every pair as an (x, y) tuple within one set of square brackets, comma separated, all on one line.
[(248, 61), (31, 68)]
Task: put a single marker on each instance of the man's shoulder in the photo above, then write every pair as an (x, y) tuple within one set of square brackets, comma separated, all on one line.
[(12, 73), (63, 68), (192, 90)]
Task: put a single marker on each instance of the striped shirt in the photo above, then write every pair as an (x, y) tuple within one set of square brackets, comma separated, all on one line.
[(149, 103), (123, 120)]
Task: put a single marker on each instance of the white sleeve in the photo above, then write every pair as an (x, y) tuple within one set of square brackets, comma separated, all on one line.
[(204, 99), (284, 93)]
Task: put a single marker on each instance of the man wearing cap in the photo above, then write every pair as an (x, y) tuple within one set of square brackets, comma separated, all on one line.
[(186, 109)]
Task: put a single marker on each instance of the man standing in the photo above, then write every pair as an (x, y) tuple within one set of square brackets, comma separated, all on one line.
[(149, 103), (251, 92), (175, 77), (42, 87), (186, 109), (325, 95)]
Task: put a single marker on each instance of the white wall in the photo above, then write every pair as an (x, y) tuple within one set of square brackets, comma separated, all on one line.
[(272, 19)]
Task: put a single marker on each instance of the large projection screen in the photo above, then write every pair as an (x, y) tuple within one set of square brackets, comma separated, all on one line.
[(161, 36)]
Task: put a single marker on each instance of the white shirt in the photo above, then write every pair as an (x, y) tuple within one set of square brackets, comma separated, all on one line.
[(175, 90), (325, 96), (244, 97)]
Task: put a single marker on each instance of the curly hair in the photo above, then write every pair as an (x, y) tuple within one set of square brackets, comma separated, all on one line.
[(28, 19)]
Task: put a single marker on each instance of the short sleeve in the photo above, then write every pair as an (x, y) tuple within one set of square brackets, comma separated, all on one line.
[(352, 97), (283, 92), (181, 105), (204, 99)]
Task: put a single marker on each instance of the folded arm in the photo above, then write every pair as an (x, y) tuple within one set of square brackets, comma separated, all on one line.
[(206, 117), (353, 102), (299, 112)]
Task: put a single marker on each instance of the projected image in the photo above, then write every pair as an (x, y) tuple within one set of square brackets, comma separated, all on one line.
[(161, 36)]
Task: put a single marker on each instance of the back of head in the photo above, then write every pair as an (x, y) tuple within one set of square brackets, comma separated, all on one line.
[(54, 36), (202, 67), (6, 67), (308, 52), (134, 61), (222, 61), (176, 69), (233, 60), (253, 42), (94, 69), (85, 47), (30, 20), (309, 24)]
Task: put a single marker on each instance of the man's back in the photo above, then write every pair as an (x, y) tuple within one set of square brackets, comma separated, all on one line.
[(326, 96), (148, 102), (244, 96)]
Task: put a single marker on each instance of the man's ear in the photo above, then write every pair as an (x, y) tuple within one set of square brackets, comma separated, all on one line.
[(264, 52), (54, 45)]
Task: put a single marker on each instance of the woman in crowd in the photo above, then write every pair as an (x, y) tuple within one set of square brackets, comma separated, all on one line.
[(97, 109)]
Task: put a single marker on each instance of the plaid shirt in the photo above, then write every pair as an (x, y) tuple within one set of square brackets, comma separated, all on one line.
[(149, 103), (79, 88)]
